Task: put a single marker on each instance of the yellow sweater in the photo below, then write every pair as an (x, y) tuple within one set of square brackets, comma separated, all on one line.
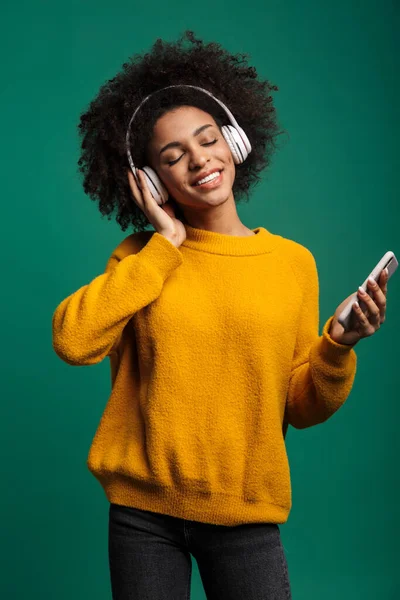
[(214, 350)]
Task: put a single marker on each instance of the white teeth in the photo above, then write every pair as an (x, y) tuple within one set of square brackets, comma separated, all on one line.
[(209, 178)]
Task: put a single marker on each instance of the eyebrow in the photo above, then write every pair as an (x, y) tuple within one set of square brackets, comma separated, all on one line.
[(177, 144)]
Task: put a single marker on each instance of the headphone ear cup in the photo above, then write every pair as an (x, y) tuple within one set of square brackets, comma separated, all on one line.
[(155, 185), (236, 144)]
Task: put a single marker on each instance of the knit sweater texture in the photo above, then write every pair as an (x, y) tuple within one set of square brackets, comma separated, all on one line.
[(214, 351)]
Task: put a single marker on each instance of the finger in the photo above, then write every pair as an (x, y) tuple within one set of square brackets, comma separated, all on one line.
[(363, 320), (379, 296), (383, 279), (132, 180), (136, 193), (148, 199), (373, 309), (381, 284), (359, 313)]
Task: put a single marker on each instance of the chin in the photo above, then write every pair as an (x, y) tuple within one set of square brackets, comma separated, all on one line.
[(214, 199)]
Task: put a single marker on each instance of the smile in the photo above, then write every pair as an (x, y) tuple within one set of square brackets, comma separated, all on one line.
[(211, 181)]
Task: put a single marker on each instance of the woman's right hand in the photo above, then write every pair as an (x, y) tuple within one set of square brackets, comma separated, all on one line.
[(161, 217)]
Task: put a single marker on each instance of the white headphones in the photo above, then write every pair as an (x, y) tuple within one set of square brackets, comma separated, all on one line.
[(234, 135)]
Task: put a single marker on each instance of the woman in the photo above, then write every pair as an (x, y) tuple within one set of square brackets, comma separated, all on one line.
[(211, 329)]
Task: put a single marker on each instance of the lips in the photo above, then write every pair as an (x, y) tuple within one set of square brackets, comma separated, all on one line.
[(205, 174)]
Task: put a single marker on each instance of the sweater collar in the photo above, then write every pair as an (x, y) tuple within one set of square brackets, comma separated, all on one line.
[(233, 245)]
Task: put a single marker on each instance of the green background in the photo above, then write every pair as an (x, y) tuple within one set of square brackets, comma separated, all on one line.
[(331, 187)]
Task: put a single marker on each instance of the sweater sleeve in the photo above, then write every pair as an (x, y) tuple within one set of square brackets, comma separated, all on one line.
[(322, 371), (88, 324)]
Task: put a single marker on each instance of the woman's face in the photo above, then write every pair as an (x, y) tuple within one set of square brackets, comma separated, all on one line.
[(186, 144)]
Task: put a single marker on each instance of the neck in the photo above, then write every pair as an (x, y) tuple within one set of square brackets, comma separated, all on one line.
[(222, 218)]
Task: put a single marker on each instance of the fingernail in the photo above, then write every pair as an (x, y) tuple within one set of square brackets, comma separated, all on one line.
[(387, 272), (371, 280), (361, 290)]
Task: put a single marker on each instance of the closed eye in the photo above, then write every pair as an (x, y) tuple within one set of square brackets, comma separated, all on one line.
[(170, 163)]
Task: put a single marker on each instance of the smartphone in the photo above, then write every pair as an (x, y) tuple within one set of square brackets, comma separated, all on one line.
[(388, 260)]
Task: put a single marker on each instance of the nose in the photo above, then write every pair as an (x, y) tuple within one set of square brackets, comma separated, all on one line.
[(198, 158)]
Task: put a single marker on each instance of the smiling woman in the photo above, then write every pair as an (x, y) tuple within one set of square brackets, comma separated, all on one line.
[(211, 329), (171, 144)]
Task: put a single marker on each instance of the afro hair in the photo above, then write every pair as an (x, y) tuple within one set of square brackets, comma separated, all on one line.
[(103, 159)]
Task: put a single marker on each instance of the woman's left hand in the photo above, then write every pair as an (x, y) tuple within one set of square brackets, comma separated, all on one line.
[(364, 324)]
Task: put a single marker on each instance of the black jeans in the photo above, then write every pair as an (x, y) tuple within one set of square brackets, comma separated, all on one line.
[(150, 558)]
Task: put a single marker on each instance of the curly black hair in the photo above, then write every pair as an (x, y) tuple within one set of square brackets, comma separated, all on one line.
[(103, 160)]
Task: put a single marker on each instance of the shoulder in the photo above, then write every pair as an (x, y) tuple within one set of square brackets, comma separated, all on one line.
[(131, 244), (295, 249), (300, 258)]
